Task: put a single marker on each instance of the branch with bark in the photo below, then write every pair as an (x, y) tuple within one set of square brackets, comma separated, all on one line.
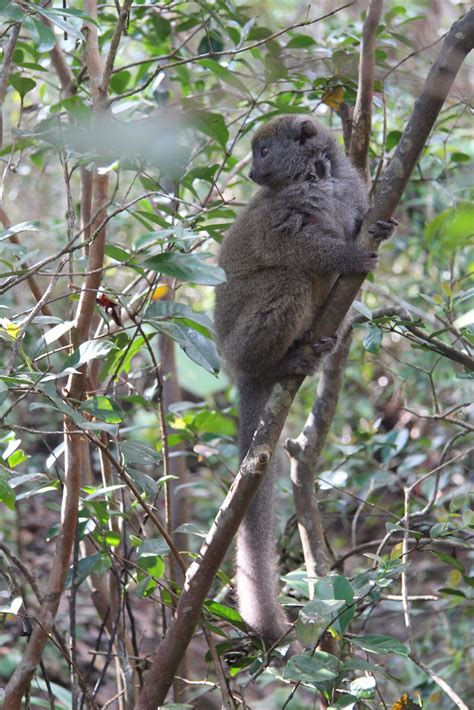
[(457, 44)]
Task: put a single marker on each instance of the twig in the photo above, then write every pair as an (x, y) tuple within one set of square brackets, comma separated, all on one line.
[(441, 683), (362, 118)]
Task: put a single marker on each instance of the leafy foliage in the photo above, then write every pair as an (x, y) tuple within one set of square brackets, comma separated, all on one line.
[(189, 84)]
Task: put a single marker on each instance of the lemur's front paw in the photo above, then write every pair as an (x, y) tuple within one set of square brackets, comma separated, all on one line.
[(383, 229), (324, 345)]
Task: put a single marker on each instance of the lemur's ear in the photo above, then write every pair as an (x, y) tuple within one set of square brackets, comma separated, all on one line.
[(305, 130)]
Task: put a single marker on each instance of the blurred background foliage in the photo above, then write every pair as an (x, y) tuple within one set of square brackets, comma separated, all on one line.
[(175, 144)]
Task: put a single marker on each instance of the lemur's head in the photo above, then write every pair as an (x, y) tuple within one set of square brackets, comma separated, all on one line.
[(292, 148)]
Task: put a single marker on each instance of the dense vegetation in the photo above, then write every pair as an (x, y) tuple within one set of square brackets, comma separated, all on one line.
[(125, 148)]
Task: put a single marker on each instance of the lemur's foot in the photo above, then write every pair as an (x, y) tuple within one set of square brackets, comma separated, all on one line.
[(383, 229), (324, 345), (302, 360)]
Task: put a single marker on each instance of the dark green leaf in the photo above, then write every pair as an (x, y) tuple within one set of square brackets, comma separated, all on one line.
[(335, 586), (187, 267), (61, 22), (373, 339), (7, 494), (22, 84), (213, 125), (120, 81), (96, 564), (319, 668), (196, 346), (380, 644), (300, 41), (138, 453), (103, 408), (117, 253), (45, 37), (224, 612), (392, 139)]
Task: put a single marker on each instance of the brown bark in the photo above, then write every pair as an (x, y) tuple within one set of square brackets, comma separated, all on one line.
[(362, 118)]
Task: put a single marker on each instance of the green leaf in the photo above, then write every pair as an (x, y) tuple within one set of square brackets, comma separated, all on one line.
[(213, 125), (120, 81), (58, 19), (22, 84), (33, 226), (460, 157), (380, 644), (94, 564), (392, 139), (7, 494), (373, 339), (224, 74), (335, 586), (363, 687), (319, 608), (300, 41), (11, 11), (319, 668), (196, 346), (103, 408), (138, 453), (117, 253), (171, 310), (449, 559), (152, 547), (44, 35), (225, 612), (187, 267), (452, 228), (90, 350)]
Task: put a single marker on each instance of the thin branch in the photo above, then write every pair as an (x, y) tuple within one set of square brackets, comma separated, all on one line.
[(114, 45), (441, 683), (362, 118)]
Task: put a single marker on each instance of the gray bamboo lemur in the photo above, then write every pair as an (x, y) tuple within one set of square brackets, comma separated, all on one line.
[(281, 256)]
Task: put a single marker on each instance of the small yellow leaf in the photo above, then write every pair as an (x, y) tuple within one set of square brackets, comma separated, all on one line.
[(446, 288), (334, 97), (455, 577), (160, 292), (12, 329), (397, 551)]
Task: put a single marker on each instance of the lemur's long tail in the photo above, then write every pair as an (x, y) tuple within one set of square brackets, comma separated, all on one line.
[(257, 572)]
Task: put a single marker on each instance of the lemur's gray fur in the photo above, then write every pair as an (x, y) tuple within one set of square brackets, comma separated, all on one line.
[(280, 257)]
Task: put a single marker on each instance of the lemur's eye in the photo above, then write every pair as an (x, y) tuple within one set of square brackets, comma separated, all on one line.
[(264, 151)]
